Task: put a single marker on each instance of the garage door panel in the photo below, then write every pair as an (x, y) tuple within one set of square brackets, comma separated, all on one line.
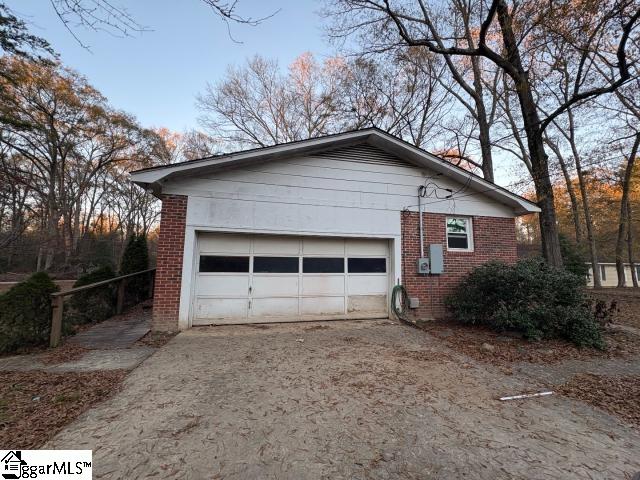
[(278, 279), (271, 285), (367, 247), (323, 285), (367, 284), (276, 245), (223, 285), (274, 307), (367, 304), (323, 246), (322, 305), (211, 309), (224, 243)]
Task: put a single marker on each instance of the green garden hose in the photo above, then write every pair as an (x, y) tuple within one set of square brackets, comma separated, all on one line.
[(400, 304)]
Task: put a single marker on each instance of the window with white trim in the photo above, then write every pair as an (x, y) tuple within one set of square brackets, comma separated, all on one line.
[(459, 234)]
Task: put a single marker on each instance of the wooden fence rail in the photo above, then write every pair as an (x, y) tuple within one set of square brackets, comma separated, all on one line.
[(57, 299)]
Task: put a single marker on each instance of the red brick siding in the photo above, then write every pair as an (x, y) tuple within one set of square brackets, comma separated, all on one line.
[(166, 297), (493, 238)]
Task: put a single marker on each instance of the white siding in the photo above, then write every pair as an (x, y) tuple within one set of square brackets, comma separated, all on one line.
[(321, 194)]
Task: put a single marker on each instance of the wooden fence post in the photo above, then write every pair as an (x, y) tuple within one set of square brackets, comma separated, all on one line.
[(120, 299), (56, 320), (152, 286)]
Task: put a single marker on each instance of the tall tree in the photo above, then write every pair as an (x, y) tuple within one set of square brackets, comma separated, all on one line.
[(64, 133), (15, 38), (507, 34)]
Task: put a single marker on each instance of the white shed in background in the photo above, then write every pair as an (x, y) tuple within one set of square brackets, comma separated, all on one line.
[(609, 274)]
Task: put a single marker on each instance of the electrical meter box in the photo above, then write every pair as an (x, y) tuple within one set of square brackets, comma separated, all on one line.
[(423, 266), (436, 258)]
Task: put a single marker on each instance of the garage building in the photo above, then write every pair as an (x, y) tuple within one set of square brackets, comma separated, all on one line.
[(320, 229)]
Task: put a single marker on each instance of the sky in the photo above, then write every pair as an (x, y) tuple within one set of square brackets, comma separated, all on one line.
[(156, 75)]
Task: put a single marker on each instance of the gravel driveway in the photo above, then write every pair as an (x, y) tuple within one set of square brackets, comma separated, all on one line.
[(339, 400)]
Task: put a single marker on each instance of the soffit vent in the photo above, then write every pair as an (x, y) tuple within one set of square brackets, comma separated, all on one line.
[(361, 154)]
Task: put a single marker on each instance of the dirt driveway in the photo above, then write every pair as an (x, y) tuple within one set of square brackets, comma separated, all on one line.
[(339, 400)]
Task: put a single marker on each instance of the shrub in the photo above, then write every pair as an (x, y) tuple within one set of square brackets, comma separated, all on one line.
[(573, 257), (25, 313), (136, 255), (529, 297), (136, 259), (92, 305)]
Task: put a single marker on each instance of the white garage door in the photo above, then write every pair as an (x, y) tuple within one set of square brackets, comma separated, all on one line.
[(261, 278)]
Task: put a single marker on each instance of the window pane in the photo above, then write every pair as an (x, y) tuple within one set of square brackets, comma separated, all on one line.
[(457, 241), (211, 263), (275, 264), (456, 225), (323, 265), (367, 265)]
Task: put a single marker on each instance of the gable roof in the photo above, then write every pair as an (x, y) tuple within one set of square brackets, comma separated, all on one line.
[(152, 178)]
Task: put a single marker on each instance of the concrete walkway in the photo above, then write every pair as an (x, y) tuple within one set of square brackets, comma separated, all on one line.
[(111, 345), (118, 332), (123, 359)]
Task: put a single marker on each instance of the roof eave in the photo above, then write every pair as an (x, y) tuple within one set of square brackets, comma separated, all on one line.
[(153, 178)]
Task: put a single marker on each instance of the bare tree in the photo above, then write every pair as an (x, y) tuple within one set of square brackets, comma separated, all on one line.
[(105, 16), (402, 92), (257, 105), (506, 34)]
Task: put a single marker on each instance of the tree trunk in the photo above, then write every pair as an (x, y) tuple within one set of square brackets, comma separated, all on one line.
[(485, 143), (632, 263), (544, 192), (573, 199), (535, 142), (53, 216), (624, 225), (586, 207), (483, 122), (593, 250)]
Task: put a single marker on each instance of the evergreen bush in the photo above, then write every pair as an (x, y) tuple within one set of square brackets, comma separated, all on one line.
[(92, 305), (529, 297), (25, 313), (573, 258), (136, 259)]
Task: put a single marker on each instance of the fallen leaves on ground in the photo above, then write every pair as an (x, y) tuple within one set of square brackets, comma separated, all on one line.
[(156, 339), (64, 353), (617, 395), (35, 405), (509, 348)]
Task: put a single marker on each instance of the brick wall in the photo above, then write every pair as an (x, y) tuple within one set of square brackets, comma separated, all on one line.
[(166, 298), (493, 239)]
